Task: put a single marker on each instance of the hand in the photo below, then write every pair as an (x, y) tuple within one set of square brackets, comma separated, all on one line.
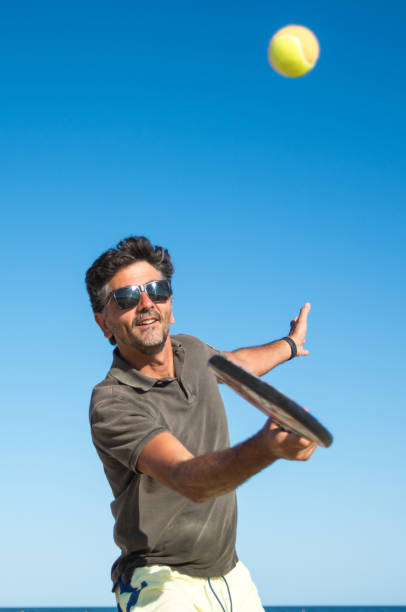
[(298, 329), (286, 445)]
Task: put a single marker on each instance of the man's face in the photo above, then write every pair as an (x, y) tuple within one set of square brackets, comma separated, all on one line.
[(145, 327)]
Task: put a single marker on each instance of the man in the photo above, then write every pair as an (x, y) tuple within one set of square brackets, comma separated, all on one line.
[(160, 429)]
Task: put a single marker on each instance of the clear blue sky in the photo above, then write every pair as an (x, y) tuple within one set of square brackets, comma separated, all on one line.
[(164, 119)]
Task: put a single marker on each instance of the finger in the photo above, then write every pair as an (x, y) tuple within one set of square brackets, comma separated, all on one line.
[(277, 429), (304, 311), (293, 325), (301, 324), (299, 442), (308, 452), (305, 443), (274, 425)]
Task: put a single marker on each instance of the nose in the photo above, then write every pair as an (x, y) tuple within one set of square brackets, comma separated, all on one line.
[(145, 301)]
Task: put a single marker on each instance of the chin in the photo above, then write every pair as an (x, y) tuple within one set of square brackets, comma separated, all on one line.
[(151, 346), (150, 349)]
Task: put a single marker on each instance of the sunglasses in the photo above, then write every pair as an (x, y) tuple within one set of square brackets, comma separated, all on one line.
[(128, 297)]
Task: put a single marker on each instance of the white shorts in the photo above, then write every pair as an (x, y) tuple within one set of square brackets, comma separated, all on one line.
[(160, 588)]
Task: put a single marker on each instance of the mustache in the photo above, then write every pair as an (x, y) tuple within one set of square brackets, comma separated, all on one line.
[(146, 314)]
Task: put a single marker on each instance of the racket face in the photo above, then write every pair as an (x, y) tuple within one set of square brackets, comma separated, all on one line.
[(283, 410)]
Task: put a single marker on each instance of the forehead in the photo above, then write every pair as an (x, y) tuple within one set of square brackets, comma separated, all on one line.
[(137, 273)]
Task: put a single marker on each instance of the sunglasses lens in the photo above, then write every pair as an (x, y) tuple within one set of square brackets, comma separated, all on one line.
[(159, 291), (127, 297)]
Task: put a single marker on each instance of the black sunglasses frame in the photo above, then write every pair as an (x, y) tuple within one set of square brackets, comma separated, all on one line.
[(132, 293)]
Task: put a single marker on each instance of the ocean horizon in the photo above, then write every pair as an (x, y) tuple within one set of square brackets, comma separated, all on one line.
[(319, 608)]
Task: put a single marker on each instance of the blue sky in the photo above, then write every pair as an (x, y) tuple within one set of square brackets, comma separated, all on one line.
[(166, 120)]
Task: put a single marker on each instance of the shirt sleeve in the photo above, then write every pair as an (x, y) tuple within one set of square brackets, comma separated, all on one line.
[(121, 427), (213, 351)]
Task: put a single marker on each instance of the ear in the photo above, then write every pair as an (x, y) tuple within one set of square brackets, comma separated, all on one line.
[(101, 322), (172, 320)]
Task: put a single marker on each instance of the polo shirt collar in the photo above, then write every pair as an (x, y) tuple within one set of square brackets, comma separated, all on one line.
[(126, 374)]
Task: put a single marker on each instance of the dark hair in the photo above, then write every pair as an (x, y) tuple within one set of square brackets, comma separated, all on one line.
[(127, 252)]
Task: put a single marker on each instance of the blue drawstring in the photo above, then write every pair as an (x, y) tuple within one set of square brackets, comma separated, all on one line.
[(215, 595)]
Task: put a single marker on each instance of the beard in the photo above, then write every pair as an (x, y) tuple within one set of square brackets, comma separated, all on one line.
[(150, 346), (150, 341)]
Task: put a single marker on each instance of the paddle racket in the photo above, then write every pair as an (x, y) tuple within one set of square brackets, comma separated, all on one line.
[(283, 410)]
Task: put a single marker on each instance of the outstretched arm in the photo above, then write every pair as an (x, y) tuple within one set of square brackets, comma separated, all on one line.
[(165, 459), (261, 359), (201, 478)]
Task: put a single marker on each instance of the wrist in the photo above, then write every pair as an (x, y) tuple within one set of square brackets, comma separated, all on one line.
[(265, 441), (293, 346)]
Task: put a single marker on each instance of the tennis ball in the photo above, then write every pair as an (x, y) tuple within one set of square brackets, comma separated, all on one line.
[(293, 50)]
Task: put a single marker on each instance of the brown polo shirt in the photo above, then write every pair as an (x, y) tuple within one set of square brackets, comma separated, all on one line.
[(154, 524)]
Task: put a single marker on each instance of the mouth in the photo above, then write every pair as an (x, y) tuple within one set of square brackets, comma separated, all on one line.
[(146, 322)]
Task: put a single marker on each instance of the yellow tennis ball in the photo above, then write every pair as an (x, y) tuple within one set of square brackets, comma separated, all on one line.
[(293, 50)]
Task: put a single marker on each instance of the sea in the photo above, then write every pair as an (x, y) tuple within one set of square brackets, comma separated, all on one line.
[(267, 609)]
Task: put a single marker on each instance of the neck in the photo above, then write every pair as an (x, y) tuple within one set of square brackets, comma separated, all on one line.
[(155, 366)]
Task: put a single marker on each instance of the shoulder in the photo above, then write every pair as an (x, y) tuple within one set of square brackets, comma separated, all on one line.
[(196, 353), (108, 396), (186, 340), (193, 343)]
